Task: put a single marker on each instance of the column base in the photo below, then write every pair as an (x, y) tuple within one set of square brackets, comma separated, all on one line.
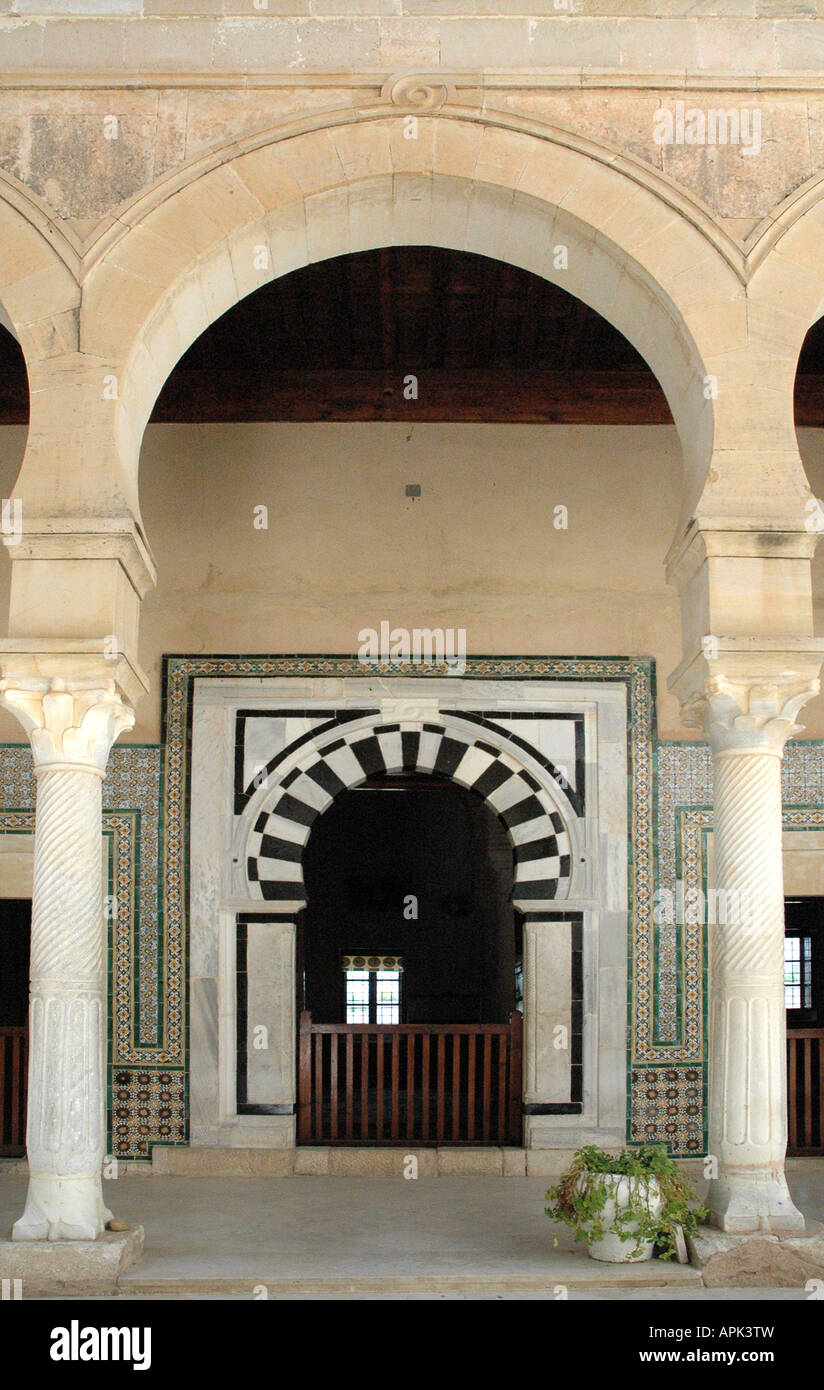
[(59, 1208), (753, 1200), (70, 1268)]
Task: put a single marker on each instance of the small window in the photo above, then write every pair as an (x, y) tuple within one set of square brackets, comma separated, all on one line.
[(388, 996), (357, 996), (798, 972), (373, 990)]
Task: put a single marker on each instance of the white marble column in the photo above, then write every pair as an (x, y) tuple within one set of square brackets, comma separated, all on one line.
[(747, 725), (72, 726)]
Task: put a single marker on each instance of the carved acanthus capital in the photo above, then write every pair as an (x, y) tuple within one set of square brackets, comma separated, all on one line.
[(744, 694), (69, 725), (748, 716)]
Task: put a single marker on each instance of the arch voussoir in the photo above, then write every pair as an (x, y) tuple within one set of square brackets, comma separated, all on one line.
[(532, 809)]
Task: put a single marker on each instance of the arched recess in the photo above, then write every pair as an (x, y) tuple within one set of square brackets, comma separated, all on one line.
[(522, 788), (637, 250)]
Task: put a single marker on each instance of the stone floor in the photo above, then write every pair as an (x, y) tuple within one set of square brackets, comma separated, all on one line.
[(299, 1237)]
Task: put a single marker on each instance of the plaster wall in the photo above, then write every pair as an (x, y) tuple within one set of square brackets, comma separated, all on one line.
[(346, 549)]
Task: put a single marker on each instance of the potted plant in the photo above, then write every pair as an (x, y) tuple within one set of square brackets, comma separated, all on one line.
[(625, 1205)]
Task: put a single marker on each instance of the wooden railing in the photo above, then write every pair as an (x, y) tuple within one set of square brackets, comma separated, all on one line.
[(13, 1077), (443, 1083), (805, 1090)]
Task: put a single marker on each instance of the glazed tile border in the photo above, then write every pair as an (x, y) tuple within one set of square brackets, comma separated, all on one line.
[(133, 781), (147, 1106), (684, 800), (684, 777)]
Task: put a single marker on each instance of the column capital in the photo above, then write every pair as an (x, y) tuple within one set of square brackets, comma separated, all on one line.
[(71, 723), (745, 693)]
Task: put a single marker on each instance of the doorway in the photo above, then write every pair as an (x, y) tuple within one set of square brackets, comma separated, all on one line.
[(408, 970), (804, 1004), (15, 943)]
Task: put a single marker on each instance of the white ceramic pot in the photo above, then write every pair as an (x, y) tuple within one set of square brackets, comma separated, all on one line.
[(612, 1248)]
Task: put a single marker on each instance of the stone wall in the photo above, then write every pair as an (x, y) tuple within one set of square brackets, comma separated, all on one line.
[(55, 141), (184, 79)]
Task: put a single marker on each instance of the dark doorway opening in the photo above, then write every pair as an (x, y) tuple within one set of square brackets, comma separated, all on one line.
[(408, 969), (15, 943), (804, 1004), (421, 869)]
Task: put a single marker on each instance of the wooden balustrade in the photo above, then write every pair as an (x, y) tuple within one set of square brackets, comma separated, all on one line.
[(444, 1083), (13, 1078), (805, 1090)]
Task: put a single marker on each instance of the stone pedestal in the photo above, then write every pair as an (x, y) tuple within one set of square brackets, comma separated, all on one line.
[(72, 725), (72, 1266), (764, 1261)]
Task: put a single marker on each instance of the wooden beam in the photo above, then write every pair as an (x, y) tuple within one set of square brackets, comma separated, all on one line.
[(568, 398), (491, 395)]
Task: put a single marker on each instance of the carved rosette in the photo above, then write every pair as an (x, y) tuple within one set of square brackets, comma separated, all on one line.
[(418, 92)]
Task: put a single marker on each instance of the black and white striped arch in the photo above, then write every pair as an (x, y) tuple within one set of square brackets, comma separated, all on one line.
[(327, 766)]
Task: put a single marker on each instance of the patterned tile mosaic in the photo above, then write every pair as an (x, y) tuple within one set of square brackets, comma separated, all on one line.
[(146, 822), (667, 1105), (147, 1106)]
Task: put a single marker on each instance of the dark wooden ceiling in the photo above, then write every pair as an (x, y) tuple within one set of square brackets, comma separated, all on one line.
[(486, 341)]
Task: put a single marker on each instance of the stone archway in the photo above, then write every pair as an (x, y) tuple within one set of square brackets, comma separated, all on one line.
[(516, 781), (486, 762), (639, 251)]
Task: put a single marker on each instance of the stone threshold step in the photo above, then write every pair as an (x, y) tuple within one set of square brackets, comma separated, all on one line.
[(599, 1277), (203, 1161)]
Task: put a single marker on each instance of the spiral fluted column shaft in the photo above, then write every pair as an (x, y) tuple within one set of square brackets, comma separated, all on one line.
[(66, 1106), (71, 730), (747, 1100), (67, 952), (747, 1043)]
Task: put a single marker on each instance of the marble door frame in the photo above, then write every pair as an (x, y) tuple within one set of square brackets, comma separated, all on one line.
[(591, 923)]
